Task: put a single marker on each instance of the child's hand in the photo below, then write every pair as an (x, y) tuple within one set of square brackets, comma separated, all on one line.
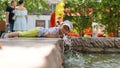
[(67, 40), (57, 35)]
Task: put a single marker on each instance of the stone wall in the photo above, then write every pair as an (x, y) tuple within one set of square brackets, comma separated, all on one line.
[(103, 45)]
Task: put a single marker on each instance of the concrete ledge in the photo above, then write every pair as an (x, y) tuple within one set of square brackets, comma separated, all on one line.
[(30, 53)]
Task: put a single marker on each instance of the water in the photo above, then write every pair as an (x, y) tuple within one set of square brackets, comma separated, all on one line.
[(75, 59)]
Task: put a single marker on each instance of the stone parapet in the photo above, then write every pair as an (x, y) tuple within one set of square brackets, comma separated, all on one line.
[(103, 45)]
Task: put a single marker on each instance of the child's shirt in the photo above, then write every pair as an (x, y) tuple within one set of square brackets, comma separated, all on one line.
[(53, 30)]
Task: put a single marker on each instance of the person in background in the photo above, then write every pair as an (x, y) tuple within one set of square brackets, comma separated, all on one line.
[(54, 32), (52, 19), (20, 17), (10, 15)]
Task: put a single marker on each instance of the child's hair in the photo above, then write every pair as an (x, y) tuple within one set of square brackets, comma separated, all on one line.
[(20, 1), (58, 22), (13, 1)]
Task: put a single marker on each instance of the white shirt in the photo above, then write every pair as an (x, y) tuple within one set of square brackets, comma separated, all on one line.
[(53, 30)]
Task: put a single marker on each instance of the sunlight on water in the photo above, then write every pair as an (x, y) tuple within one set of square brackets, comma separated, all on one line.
[(75, 59)]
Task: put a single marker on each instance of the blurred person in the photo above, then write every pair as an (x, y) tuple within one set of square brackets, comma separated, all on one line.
[(59, 20), (52, 19), (10, 14), (20, 17)]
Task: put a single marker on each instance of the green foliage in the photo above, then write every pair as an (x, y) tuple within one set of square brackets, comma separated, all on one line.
[(33, 6), (106, 12), (82, 21), (3, 4), (110, 15)]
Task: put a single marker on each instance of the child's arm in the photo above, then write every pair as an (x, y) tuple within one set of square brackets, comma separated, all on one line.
[(48, 35)]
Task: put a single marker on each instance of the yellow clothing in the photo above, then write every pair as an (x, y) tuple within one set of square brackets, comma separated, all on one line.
[(30, 33)]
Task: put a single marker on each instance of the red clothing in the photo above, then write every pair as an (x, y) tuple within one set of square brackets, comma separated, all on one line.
[(73, 34), (52, 19)]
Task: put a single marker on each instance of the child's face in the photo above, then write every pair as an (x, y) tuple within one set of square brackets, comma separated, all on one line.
[(14, 3), (64, 29)]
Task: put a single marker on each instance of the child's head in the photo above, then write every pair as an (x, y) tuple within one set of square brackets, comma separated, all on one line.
[(13, 3), (66, 27)]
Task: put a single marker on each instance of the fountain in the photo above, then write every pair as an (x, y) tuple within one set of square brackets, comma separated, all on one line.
[(48, 53)]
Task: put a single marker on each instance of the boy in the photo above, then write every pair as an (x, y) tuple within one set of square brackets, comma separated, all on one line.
[(54, 32), (10, 14)]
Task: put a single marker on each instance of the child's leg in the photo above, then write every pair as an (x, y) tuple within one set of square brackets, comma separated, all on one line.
[(30, 33), (12, 34)]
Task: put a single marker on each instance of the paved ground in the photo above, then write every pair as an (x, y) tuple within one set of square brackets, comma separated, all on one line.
[(29, 53)]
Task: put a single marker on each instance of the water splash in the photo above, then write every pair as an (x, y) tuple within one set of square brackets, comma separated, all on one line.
[(75, 59), (67, 40)]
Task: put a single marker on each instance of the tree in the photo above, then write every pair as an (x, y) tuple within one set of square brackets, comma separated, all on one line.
[(106, 12), (79, 14), (36, 6), (110, 15), (33, 6), (3, 4)]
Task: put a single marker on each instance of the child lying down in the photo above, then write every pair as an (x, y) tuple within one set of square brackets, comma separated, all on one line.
[(54, 32)]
